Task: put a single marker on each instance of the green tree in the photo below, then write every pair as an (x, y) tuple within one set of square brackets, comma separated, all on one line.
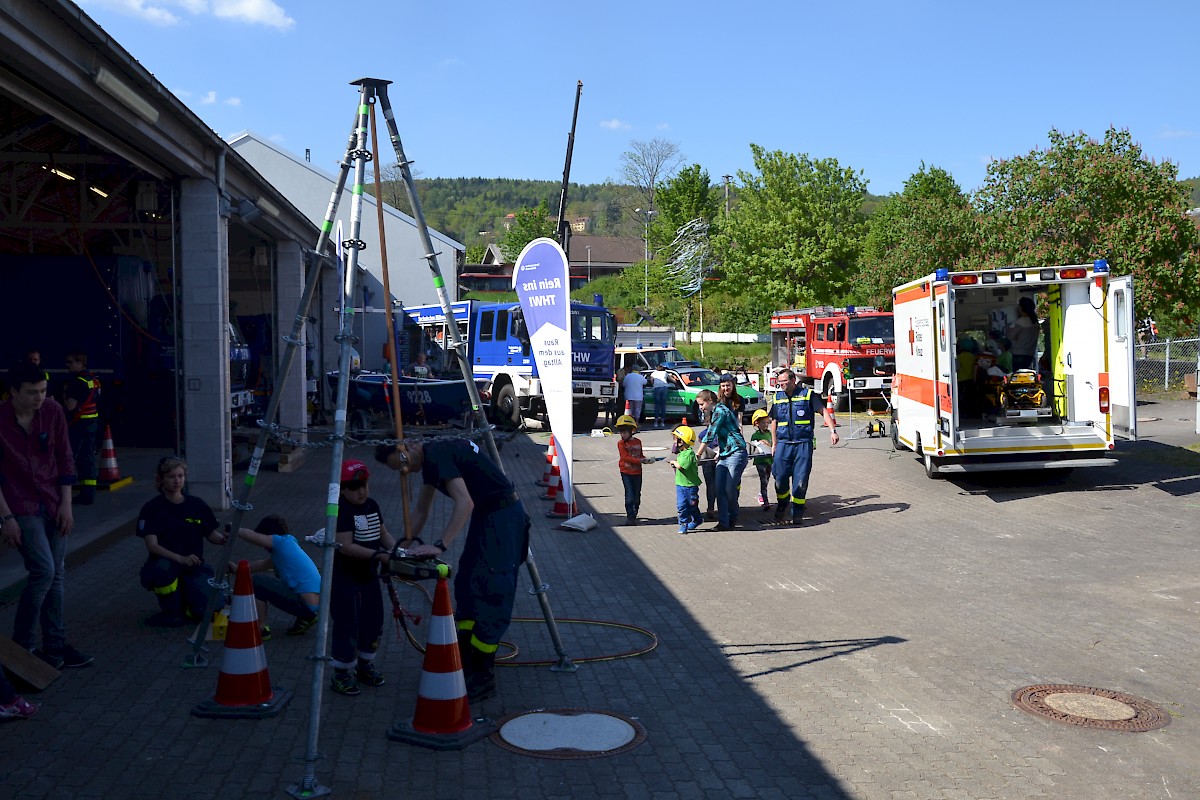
[(795, 235), (687, 196), (1081, 199), (527, 225), (930, 224)]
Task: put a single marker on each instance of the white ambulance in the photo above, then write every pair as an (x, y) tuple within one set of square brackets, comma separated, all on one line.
[(959, 404)]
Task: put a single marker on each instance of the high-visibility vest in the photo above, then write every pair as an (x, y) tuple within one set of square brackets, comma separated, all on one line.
[(89, 407), (793, 415)]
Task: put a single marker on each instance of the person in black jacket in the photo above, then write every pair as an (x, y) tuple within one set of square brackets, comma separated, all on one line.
[(497, 542)]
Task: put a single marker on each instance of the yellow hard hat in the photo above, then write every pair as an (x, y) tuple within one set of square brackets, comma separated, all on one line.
[(760, 414), (686, 435), (626, 421)]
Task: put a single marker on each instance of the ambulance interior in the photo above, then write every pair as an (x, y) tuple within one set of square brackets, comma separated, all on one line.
[(990, 391)]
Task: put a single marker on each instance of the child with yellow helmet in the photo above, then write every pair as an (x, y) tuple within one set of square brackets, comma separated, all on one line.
[(630, 460), (760, 448), (687, 481)]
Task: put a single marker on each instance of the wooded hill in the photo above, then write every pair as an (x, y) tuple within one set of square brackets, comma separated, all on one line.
[(463, 208)]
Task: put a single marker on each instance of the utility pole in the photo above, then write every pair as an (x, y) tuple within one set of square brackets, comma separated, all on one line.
[(727, 179)]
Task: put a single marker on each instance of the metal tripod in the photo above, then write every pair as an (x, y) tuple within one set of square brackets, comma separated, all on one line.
[(371, 91)]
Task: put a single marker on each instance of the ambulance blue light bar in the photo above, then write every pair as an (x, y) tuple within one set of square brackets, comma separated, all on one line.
[(941, 274), (1101, 265)]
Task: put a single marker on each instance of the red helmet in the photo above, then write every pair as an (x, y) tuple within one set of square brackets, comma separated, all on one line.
[(354, 470)]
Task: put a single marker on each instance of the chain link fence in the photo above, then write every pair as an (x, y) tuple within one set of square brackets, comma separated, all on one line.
[(1166, 366)]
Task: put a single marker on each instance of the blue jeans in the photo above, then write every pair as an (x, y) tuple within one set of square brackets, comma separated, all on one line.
[(45, 552), (729, 484), (687, 504), (793, 463), (708, 469), (272, 590), (633, 493), (660, 405)]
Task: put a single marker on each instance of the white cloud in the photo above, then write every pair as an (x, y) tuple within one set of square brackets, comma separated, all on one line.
[(662, 126), (258, 12), (208, 99), (153, 14), (232, 101), (1176, 133), (161, 12), (277, 138), (614, 124)]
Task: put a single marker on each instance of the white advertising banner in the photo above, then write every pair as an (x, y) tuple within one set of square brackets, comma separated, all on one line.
[(541, 280)]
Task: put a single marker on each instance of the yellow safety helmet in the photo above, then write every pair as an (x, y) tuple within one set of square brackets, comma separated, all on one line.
[(760, 414), (686, 435), (626, 421)]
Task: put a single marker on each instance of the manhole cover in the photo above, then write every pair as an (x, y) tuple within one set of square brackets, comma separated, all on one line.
[(1086, 707), (568, 733)]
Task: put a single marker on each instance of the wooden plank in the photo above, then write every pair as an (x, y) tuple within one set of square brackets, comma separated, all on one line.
[(25, 665)]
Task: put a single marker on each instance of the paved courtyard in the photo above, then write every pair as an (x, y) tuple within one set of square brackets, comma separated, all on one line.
[(870, 654)]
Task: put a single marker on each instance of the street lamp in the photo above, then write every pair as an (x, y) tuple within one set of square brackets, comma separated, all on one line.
[(646, 240), (589, 249)]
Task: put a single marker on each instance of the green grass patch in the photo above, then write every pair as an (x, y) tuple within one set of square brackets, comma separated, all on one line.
[(727, 355)]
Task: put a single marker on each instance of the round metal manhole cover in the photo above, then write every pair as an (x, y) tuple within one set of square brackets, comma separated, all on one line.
[(565, 733), (1086, 707)]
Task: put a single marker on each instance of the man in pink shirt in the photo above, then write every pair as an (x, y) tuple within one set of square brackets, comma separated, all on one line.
[(37, 471)]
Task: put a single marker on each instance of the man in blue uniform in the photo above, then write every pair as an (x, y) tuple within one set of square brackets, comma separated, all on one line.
[(485, 584), (793, 412)]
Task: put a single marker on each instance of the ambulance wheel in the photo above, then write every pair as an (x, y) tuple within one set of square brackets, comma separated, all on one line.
[(896, 443), (931, 465), (507, 410)]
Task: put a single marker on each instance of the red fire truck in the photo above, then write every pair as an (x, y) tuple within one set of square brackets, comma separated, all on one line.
[(835, 349)]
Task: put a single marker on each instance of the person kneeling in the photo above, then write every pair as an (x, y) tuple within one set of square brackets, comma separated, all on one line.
[(174, 526), (295, 586)]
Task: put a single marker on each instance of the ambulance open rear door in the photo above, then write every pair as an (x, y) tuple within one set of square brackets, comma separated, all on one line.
[(1122, 374)]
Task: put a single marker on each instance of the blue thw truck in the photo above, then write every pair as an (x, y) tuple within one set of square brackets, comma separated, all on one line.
[(499, 352)]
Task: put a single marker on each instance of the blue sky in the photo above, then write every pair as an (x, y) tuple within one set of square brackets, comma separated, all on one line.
[(486, 89)]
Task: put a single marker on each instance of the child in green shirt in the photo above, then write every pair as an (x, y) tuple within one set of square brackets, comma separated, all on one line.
[(687, 481), (762, 454)]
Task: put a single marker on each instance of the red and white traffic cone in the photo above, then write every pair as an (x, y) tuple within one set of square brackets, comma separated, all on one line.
[(562, 509), (554, 482), (550, 451), (442, 719), (110, 474), (244, 685)]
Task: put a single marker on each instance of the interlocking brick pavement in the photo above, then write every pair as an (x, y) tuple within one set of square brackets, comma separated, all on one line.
[(868, 654)]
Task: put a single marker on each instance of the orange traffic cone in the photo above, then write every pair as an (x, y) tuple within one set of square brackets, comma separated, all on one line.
[(442, 719), (244, 686), (550, 451), (628, 407), (561, 508), (554, 481), (110, 473)]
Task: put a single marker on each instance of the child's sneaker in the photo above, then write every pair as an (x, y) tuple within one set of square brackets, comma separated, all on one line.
[(762, 501), (368, 675), (301, 627), (265, 633), (19, 708), (683, 531), (344, 683)]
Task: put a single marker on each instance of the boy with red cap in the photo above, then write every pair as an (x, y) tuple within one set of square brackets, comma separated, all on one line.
[(356, 599)]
